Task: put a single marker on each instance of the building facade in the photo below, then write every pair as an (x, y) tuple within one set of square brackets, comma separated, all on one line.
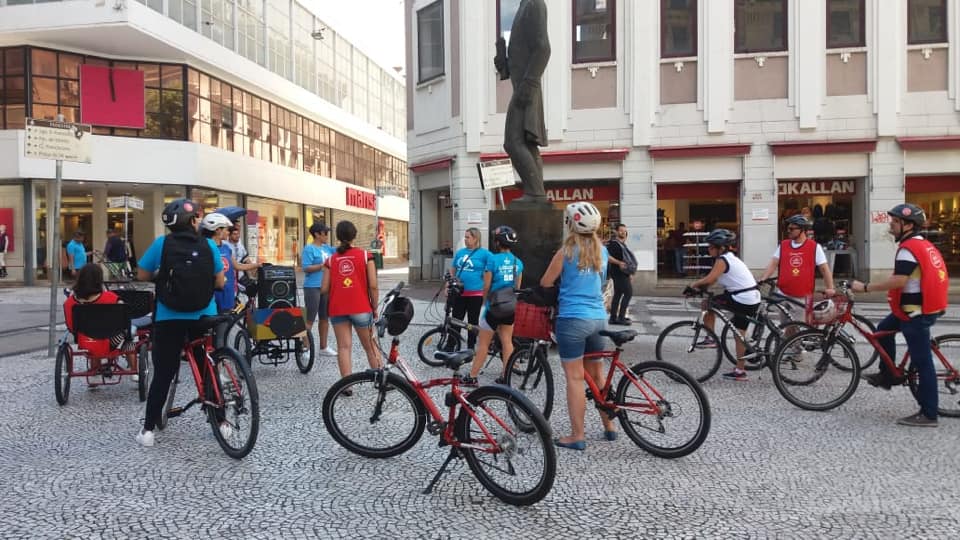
[(719, 113), (255, 103)]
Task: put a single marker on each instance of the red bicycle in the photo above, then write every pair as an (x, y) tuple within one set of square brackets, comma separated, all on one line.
[(504, 438)]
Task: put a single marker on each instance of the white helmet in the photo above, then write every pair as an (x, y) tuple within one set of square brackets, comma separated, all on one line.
[(213, 221), (824, 311), (582, 217)]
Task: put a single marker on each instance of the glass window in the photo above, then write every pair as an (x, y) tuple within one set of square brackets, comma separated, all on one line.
[(760, 25), (430, 41), (44, 90), (926, 21), (678, 28), (70, 66), (506, 10), (845, 26), (278, 21), (43, 62), (594, 31)]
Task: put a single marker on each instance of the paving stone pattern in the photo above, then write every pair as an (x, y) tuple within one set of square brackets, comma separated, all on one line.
[(766, 470)]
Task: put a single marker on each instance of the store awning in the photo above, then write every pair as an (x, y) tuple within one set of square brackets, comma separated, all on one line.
[(699, 150), (929, 143), (432, 165), (807, 148)]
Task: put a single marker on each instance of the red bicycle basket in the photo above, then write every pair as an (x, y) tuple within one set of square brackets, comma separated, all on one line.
[(817, 317), (532, 322)]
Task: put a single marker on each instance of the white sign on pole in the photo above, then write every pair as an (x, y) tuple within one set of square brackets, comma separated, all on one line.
[(48, 139), (496, 174), (135, 203), (116, 202)]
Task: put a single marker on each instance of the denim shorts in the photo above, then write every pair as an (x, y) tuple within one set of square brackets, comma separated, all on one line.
[(578, 336), (358, 320)]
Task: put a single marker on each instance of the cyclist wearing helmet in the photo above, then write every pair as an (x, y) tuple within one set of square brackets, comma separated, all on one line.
[(917, 294), (740, 297), (215, 226), (503, 269), (187, 268), (581, 265), (795, 262)]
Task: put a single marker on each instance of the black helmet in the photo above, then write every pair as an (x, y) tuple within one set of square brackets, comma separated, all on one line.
[(505, 235), (178, 214), (909, 212), (799, 220), (721, 237), (398, 313)]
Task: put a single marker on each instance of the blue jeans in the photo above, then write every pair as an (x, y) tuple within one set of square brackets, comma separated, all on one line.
[(358, 320), (917, 333)]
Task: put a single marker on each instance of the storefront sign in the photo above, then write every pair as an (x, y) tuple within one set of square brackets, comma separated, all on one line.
[(572, 194), (818, 187), (361, 199)]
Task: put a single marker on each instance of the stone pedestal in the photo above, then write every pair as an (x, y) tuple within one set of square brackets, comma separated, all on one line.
[(540, 233)]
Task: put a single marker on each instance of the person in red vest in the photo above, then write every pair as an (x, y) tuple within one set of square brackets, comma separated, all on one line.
[(795, 262), (917, 294)]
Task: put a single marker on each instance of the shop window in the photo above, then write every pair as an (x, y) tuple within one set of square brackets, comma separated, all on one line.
[(845, 24), (926, 21), (939, 196), (594, 31), (13, 96), (430, 58), (506, 11), (760, 26), (678, 28)]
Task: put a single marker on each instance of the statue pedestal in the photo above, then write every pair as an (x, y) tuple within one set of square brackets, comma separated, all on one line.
[(540, 233)]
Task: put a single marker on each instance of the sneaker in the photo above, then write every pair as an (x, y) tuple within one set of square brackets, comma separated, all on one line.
[(917, 420), (145, 438), (500, 380), (878, 380), (135, 378), (328, 351), (226, 430), (468, 381), (707, 343), (735, 375)]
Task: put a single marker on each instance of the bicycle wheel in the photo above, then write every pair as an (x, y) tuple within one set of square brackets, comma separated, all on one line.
[(865, 351), (168, 404), (437, 340), (665, 412), (691, 346), (305, 364), (785, 330), (948, 375), (237, 423), (728, 342), (374, 419), (144, 370), (530, 373), (813, 373), (514, 464), (243, 343), (62, 369)]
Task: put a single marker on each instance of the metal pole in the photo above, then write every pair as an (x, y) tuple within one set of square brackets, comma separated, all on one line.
[(126, 208), (53, 222), (503, 205)]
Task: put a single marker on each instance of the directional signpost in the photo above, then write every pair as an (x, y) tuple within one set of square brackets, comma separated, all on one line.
[(60, 141), (126, 202)]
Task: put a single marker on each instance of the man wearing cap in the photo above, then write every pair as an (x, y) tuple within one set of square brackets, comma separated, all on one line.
[(315, 254), (796, 260)]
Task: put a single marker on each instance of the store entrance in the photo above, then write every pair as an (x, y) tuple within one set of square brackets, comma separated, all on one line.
[(686, 213), (939, 196)]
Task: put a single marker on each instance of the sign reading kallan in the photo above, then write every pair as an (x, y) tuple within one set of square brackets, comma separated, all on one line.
[(818, 187), (361, 199)]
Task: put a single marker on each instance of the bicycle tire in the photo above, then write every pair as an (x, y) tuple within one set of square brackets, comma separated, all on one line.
[(726, 342), (61, 374), (399, 401), (860, 343), (449, 340), (243, 343), (241, 404), (674, 347), (809, 368), (948, 377), (502, 404), (671, 384), (533, 377), (168, 403), (143, 371), (775, 339), (305, 365)]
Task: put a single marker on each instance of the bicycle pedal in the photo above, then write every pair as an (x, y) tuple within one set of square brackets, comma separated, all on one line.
[(174, 412)]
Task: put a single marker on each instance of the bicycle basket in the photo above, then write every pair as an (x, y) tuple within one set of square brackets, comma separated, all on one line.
[(532, 322), (824, 311)]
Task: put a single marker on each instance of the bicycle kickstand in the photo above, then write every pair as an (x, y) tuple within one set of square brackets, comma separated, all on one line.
[(443, 468)]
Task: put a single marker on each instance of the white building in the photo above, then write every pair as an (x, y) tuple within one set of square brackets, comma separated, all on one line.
[(731, 113), (257, 103)]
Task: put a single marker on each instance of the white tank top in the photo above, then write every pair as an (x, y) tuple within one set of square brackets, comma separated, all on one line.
[(738, 277)]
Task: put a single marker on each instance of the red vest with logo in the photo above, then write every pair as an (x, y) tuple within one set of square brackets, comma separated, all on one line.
[(934, 282), (349, 293), (797, 276)]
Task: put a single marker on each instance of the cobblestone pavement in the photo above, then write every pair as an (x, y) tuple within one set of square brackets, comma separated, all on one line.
[(767, 469)]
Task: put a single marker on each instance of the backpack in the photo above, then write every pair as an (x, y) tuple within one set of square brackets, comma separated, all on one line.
[(185, 281)]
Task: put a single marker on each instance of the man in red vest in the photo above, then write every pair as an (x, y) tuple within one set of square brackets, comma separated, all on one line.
[(795, 262), (917, 297)]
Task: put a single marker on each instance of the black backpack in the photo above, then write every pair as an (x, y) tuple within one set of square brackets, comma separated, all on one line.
[(185, 281)]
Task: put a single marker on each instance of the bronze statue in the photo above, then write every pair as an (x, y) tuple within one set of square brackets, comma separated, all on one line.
[(524, 131)]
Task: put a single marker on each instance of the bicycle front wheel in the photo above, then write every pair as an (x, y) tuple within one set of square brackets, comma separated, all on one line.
[(373, 417), (665, 411), (236, 423), (948, 375), (866, 352), (814, 373), (303, 356), (515, 464), (529, 372), (691, 346), (437, 340)]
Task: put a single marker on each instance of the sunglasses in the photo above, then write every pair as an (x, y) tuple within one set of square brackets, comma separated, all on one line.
[(793, 228)]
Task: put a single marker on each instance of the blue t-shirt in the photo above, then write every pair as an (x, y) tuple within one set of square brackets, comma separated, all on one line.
[(469, 265), (504, 267), (151, 263), (79, 254), (581, 291), (227, 298), (314, 254)]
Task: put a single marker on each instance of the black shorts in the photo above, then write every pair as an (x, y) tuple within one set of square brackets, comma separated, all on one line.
[(741, 312), (493, 322)]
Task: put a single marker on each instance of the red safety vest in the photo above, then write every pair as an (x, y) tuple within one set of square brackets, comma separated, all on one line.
[(349, 294), (797, 276), (934, 281)]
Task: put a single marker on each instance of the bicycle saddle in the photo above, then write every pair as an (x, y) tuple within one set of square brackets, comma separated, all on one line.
[(621, 337), (455, 359)]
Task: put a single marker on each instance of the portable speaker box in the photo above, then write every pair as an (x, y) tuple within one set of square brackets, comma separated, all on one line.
[(277, 287)]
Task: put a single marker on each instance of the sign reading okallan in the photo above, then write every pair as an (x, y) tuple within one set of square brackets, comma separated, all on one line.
[(361, 199), (111, 97)]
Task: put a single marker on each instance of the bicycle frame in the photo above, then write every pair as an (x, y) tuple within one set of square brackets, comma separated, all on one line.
[(602, 396), (204, 343), (707, 307)]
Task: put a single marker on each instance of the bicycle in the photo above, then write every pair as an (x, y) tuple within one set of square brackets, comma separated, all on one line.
[(808, 366), (113, 271), (275, 349), (495, 428), (648, 391), (226, 390), (529, 372)]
